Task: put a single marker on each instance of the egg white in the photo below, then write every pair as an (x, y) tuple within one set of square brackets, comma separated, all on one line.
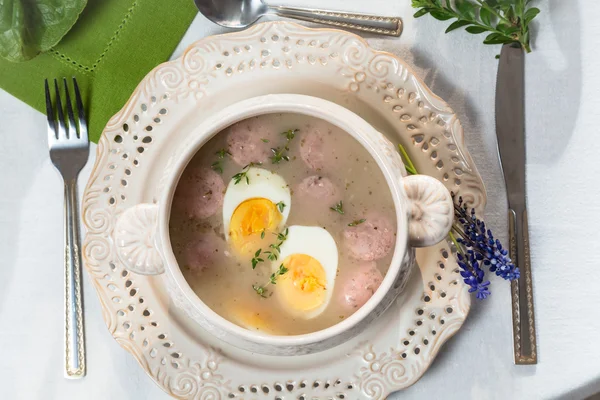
[(318, 243), (263, 184)]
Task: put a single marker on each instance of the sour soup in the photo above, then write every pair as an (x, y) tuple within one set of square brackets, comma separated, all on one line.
[(283, 224)]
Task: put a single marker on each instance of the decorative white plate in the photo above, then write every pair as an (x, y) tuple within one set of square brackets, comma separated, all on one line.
[(218, 71)]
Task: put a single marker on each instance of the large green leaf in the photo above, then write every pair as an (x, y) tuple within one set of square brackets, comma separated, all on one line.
[(457, 24), (29, 27)]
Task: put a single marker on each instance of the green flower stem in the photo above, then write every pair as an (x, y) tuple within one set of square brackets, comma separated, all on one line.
[(456, 244), (408, 164)]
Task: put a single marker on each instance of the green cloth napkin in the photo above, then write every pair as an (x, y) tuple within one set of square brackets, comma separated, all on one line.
[(109, 50)]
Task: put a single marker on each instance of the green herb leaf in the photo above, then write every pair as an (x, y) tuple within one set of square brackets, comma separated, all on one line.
[(465, 8), (280, 153), (495, 38), (420, 13), (222, 153), (237, 178), (265, 140), (507, 29), (283, 236), (290, 134), (282, 269), (274, 254), (475, 29), (28, 28), (280, 206), (509, 13), (261, 291), (339, 208), (456, 25), (357, 222), (440, 15), (216, 166), (486, 16), (530, 14), (256, 259)]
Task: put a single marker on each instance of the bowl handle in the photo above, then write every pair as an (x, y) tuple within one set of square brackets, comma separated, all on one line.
[(431, 211), (135, 238)]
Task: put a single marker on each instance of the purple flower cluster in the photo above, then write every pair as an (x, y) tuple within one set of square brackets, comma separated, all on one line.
[(477, 248), (473, 275)]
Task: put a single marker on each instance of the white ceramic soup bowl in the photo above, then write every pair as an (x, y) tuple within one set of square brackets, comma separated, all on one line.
[(423, 208)]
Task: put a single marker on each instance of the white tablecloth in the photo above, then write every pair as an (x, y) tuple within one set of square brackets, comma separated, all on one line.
[(564, 209)]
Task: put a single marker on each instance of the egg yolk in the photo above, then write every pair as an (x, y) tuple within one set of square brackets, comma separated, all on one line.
[(249, 220), (303, 287)]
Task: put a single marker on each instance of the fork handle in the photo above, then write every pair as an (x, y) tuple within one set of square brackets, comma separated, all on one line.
[(389, 26), (525, 349), (74, 338)]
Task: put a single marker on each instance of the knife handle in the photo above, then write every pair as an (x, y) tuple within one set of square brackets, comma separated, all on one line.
[(525, 349)]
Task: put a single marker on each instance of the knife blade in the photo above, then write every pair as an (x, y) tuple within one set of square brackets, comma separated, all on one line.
[(510, 133)]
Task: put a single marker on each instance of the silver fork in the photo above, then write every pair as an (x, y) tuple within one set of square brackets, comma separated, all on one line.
[(69, 150)]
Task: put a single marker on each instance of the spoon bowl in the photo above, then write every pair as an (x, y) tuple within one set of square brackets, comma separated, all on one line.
[(232, 13)]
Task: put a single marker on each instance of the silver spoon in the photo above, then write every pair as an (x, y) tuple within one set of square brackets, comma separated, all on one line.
[(242, 13)]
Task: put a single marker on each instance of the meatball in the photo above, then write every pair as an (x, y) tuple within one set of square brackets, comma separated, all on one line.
[(318, 188), (315, 149), (199, 193), (250, 141), (202, 252), (370, 240), (360, 286)]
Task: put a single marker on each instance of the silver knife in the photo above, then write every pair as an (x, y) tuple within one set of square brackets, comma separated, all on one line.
[(510, 131)]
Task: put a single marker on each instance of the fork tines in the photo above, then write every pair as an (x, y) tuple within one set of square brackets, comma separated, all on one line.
[(57, 128)]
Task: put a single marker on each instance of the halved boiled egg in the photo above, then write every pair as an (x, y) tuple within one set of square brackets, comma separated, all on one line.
[(311, 257), (254, 206)]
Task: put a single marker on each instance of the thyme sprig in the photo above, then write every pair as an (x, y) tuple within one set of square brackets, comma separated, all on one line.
[(237, 178), (281, 153), (339, 208), (217, 166), (357, 222), (262, 290), (273, 254)]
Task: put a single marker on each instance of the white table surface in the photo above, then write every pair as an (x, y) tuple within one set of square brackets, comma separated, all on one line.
[(563, 172)]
